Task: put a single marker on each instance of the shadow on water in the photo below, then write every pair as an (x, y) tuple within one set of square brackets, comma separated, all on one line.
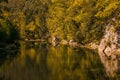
[(8, 52), (37, 61)]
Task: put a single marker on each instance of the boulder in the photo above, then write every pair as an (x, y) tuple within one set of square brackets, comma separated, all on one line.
[(55, 41), (64, 42), (73, 43)]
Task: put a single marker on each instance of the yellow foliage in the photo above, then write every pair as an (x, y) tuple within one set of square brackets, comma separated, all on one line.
[(6, 14), (69, 36), (37, 21), (108, 10), (31, 26), (112, 29), (54, 1)]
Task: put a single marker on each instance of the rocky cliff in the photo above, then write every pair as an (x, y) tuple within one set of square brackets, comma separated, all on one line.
[(109, 50), (110, 44)]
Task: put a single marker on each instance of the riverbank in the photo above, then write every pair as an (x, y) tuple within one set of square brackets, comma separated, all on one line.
[(93, 45)]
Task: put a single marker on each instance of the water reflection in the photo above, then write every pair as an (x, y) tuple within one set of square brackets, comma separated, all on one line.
[(7, 53), (111, 64), (74, 64), (40, 62)]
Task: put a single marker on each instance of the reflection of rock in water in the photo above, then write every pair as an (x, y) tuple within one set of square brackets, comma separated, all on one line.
[(109, 51), (111, 64)]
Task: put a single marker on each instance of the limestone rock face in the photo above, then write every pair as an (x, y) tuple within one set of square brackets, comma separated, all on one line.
[(110, 44), (109, 50), (55, 41)]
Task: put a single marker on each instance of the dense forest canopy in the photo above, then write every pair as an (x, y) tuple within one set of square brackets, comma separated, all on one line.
[(80, 20)]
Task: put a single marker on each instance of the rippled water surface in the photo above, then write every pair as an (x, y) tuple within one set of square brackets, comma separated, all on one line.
[(35, 61)]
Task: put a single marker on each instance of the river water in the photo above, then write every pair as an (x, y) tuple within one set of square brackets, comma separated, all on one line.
[(38, 61)]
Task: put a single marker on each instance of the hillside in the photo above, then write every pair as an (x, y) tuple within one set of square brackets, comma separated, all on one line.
[(83, 21)]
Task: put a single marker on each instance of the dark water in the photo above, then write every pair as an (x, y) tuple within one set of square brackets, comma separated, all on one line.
[(34, 61)]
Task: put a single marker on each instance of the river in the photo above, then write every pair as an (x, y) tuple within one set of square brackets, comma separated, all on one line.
[(38, 61)]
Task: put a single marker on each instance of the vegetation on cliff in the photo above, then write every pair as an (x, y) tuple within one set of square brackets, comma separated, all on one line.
[(80, 20)]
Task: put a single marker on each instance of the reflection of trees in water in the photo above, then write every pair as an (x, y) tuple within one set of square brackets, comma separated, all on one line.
[(54, 63), (8, 52), (66, 63), (29, 65), (111, 64)]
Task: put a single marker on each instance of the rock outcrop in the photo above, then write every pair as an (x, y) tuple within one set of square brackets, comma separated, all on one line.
[(109, 50), (55, 41), (64, 42), (73, 43), (110, 44)]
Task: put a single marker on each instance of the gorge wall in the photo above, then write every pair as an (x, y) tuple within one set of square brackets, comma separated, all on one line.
[(109, 50)]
